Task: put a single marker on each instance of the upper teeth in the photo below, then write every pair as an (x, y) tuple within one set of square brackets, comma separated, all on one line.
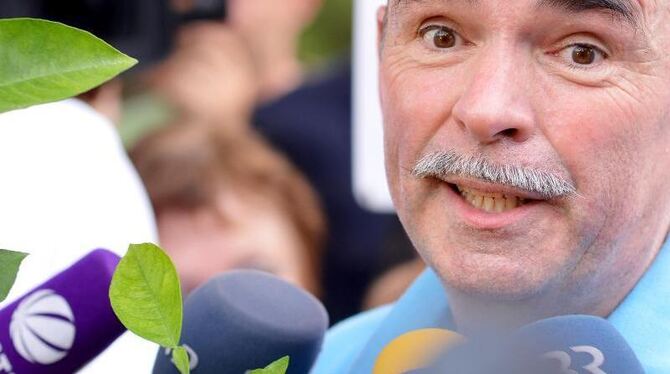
[(490, 201)]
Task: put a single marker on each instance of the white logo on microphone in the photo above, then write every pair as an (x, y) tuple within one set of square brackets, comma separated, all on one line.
[(42, 328)]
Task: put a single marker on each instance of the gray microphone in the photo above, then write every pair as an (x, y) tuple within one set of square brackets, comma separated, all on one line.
[(247, 319)]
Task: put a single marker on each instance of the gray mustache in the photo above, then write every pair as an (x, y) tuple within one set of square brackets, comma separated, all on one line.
[(445, 163)]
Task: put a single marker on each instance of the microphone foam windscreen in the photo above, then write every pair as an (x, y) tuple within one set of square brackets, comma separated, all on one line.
[(580, 343), (61, 325), (246, 319), (413, 350), (567, 344)]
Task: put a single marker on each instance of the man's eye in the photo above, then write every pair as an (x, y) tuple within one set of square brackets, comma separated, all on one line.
[(440, 37), (582, 55)]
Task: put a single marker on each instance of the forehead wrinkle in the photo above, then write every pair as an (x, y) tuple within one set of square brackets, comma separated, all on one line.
[(408, 2), (623, 9)]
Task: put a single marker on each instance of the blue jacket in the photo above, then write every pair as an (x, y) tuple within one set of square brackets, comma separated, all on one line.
[(643, 318)]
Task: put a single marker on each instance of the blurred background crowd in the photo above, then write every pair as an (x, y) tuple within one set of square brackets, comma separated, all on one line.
[(241, 135)]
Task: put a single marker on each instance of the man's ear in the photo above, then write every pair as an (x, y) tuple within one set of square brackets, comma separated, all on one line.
[(381, 26)]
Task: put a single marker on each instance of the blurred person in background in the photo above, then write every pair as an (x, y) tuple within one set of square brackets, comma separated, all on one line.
[(220, 69), (214, 75), (225, 200), (312, 126)]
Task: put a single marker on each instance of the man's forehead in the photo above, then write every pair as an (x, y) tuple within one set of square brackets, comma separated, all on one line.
[(628, 10)]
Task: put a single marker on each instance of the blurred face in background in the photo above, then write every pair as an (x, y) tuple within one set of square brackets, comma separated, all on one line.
[(246, 232), (528, 143), (224, 199)]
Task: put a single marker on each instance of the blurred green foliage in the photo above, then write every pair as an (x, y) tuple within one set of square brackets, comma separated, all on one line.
[(329, 36)]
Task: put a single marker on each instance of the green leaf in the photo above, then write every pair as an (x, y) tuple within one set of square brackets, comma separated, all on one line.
[(43, 61), (180, 359), (9, 267), (146, 296), (278, 367)]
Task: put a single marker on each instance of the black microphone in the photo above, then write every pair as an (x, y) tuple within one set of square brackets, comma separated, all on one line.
[(246, 319)]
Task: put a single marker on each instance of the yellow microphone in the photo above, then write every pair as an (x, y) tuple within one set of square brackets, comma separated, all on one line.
[(414, 350)]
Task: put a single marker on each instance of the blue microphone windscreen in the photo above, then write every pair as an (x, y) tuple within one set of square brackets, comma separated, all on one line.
[(247, 319), (568, 344), (581, 343)]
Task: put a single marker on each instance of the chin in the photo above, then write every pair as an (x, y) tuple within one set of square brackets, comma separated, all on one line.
[(493, 277)]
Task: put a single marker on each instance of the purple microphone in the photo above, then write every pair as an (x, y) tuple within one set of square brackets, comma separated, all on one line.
[(61, 325)]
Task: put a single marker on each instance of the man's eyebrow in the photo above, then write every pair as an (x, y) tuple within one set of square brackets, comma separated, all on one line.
[(621, 8)]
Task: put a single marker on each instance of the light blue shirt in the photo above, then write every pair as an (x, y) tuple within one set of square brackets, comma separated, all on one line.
[(352, 346)]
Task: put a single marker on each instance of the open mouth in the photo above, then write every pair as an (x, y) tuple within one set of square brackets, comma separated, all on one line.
[(491, 202)]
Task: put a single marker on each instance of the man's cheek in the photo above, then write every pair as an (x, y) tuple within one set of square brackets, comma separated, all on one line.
[(414, 110), (593, 135), (601, 167)]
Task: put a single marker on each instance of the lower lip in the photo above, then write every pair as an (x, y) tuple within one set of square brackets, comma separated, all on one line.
[(483, 220)]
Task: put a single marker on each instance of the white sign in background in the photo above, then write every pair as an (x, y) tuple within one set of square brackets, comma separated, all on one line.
[(369, 178)]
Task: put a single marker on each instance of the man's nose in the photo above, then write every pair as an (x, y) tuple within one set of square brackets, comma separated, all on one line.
[(495, 103)]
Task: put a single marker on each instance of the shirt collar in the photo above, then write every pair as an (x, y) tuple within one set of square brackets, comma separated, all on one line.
[(643, 318)]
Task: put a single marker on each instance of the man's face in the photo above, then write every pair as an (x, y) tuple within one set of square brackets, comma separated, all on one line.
[(575, 93)]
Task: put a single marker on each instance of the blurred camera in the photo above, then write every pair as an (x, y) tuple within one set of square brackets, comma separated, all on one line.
[(143, 29)]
